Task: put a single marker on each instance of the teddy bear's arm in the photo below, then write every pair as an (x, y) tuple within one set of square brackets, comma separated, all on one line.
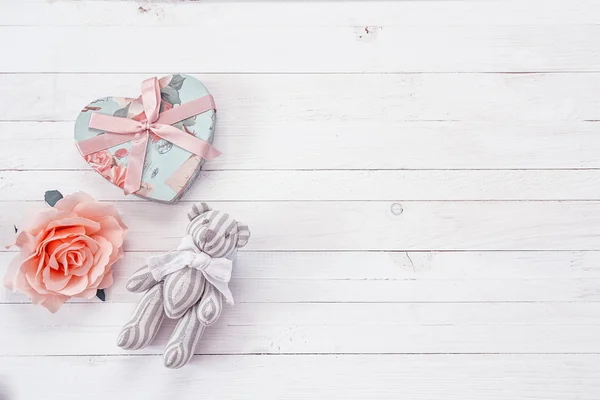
[(140, 281), (210, 306)]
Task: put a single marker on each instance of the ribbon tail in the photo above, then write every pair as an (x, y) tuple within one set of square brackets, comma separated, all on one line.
[(218, 273), (186, 141), (221, 287), (135, 168)]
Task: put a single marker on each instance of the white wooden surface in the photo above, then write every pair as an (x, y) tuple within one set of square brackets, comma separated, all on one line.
[(422, 180)]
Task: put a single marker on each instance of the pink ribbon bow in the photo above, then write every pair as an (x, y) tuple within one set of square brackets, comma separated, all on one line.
[(119, 130)]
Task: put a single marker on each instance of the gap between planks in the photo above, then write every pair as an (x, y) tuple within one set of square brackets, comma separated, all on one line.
[(323, 328), (448, 328), (329, 185), (287, 377), (269, 13), (446, 48), (407, 146), (432, 277), (306, 101)]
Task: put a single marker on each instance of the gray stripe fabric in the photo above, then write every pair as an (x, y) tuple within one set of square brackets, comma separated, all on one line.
[(198, 209), (183, 341), (182, 290), (143, 325), (243, 234), (216, 247), (224, 228), (210, 307), (140, 281)]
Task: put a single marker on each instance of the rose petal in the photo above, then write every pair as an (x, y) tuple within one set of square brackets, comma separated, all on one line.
[(26, 243), (38, 222), (53, 260), (60, 235), (112, 231), (72, 247), (63, 233), (41, 263), (36, 282), (89, 225), (68, 203), (64, 263), (88, 293), (52, 263), (53, 303), (107, 281), (55, 280), (89, 242), (101, 259), (76, 285), (65, 255), (23, 285), (87, 262), (12, 272), (74, 258), (53, 246), (95, 211)]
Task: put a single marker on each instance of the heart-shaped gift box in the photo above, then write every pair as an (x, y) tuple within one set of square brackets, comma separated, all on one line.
[(158, 156)]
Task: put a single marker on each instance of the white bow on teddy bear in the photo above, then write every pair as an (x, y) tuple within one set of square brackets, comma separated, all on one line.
[(216, 270)]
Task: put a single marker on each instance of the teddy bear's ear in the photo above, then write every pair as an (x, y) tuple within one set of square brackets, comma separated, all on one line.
[(198, 209), (243, 234)]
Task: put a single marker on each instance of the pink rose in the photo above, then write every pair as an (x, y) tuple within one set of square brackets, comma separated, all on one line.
[(116, 175), (67, 251), (121, 153), (100, 161)]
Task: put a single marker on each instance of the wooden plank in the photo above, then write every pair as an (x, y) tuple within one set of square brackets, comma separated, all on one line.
[(233, 49), (327, 145), (330, 185), (431, 225), (445, 377), (347, 13), (390, 277), (477, 265), (268, 328), (366, 101)]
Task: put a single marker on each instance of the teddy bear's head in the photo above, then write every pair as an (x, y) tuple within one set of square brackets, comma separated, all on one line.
[(216, 233)]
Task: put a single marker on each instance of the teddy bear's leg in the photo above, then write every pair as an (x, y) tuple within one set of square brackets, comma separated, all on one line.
[(190, 328), (140, 281), (184, 339), (143, 325)]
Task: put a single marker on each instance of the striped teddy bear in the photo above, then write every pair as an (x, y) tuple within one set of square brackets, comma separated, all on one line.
[(188, 284)]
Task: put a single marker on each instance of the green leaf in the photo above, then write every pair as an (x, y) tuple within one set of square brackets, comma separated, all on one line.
[(122, 112), (100, 294), (177, 82), (52, 197), (170, 95)]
